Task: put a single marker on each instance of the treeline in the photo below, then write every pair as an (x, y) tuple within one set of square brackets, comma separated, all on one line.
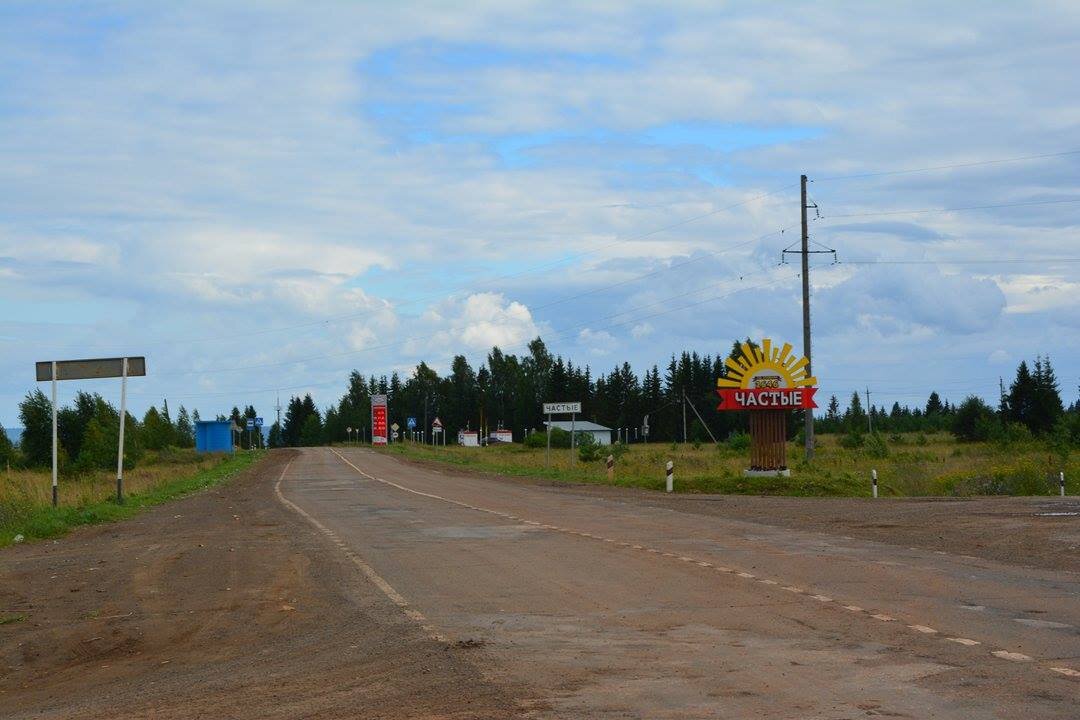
[(1032, 407), (87, 433), (507, 392)]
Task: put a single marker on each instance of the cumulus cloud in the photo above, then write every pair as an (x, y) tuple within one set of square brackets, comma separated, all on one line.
[(386, 183)]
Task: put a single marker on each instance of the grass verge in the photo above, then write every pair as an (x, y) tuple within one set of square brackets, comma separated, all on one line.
[(22, 514), (907, 466)]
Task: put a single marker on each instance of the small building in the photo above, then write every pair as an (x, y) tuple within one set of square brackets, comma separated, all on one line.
[(213, 436), (601, 434), (500, 436)]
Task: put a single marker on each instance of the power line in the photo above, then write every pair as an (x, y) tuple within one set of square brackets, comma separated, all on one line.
[(947, 167), (473, 287), (556, 334), (423, 337), (952, 209), (1000, 261)]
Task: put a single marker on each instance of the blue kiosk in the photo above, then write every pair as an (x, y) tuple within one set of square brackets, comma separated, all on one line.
[(213, 436)]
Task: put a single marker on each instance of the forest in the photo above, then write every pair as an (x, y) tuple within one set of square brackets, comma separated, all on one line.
[(506, 391)]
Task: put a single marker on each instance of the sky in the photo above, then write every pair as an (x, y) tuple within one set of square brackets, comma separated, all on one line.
[(260, 198)]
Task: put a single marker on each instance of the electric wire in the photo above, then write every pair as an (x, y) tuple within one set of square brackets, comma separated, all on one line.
[(552, 335), (951, 209), (952, 166)]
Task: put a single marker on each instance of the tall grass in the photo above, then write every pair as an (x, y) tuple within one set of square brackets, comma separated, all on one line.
[(907, 465), (26, 495)]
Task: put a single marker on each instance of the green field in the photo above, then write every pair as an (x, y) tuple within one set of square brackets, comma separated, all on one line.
[(908, 465), (26, 495)]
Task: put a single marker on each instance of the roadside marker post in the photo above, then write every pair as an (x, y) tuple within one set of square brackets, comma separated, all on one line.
[(873, 480), (610, 467), (670, 476), (1061, 482)]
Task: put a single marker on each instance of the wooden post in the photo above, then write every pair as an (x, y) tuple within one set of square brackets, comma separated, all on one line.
[(768, 440)]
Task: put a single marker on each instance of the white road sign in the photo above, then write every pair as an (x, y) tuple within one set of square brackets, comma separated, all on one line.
[(562, 408)]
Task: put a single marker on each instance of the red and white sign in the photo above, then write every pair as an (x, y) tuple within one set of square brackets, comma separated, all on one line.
[(378, 419), (501, 436), (766, 398), (468, 438)]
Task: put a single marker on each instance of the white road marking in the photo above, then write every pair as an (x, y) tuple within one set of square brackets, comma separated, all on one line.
[(369, 572), (964, 641), (1005, 654)]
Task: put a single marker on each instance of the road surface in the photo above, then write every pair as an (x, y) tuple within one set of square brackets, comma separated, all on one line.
[(467, 596)]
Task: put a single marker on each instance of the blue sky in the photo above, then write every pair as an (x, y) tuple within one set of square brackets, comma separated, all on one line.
[(264, 198)]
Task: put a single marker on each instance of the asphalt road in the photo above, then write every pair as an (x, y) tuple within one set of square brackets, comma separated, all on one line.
[(593, 608)]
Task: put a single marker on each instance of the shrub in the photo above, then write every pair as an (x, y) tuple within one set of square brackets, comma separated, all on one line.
[(876, 446), (852, 440), (974, 420), (738, 441), (618, 450), (1005, 435), (559, 438), (921, 439), (588, 448)]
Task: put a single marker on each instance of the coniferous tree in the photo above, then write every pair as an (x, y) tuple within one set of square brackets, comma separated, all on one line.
[(1046, 406), (1021, 398), (185, 431)]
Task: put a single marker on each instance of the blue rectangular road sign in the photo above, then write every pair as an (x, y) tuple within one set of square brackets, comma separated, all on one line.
[(250, 423), (411, 423), (258, 422)]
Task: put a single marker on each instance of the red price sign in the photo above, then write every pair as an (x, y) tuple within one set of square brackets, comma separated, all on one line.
[(378, 419)]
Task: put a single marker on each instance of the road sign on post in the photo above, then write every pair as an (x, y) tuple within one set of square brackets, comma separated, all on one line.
[(91, 369), (378, 419), (561, 408)]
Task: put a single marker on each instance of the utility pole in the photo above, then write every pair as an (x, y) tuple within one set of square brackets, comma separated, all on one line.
[(869, 413), (684, 417), (278, 408), (808, 413)]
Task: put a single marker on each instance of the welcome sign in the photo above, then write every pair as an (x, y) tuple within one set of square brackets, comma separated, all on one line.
[(766, 378)]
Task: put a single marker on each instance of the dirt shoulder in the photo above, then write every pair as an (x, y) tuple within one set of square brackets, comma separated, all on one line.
[(1034, 531), (223, 604)]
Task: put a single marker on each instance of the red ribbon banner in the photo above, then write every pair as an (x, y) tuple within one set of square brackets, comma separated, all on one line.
[(766, 398)]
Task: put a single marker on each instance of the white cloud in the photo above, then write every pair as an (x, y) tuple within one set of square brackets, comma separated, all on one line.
[(372, 160), (597, 342)]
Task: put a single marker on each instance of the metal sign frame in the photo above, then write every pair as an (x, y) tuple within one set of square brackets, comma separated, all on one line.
[(561, 408), (91, 369)]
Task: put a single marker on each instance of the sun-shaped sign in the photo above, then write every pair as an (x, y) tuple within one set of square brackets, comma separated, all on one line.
[(766, 378)]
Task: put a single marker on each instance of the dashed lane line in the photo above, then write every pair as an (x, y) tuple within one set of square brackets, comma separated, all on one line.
[(922, 629), (368, 571)]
